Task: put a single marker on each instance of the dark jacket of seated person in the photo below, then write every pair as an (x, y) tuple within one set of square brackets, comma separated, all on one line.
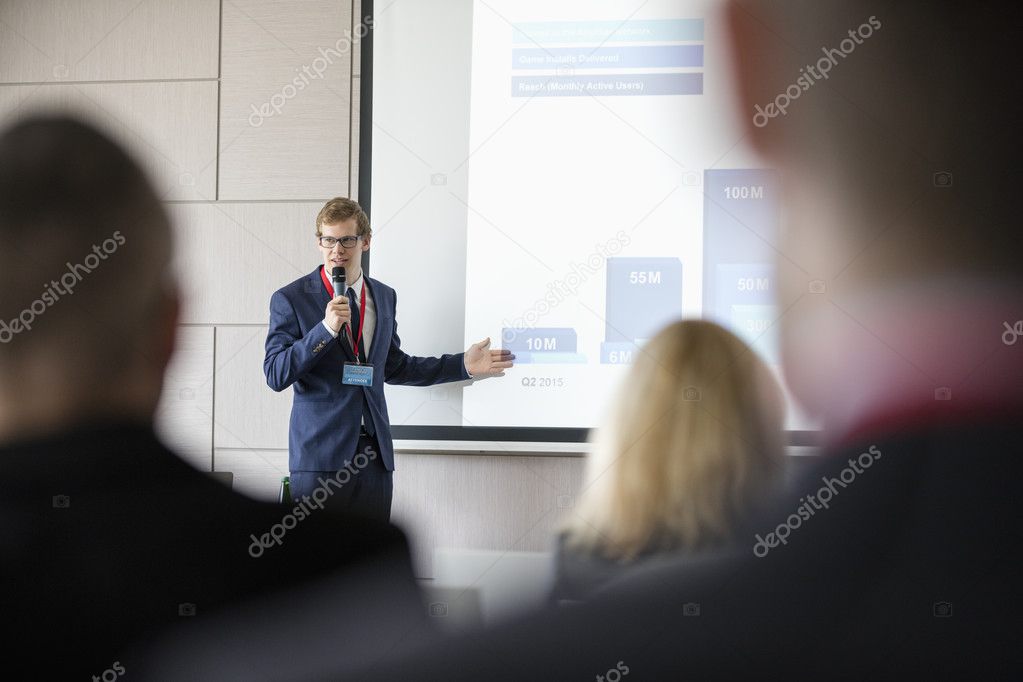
[(693, 445), (109, 538)]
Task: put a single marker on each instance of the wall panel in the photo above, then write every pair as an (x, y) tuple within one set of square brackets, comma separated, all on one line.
[(185, 416), (249, 414), (285, 99), (101, 40), (233, 256), (482, 502), (170, 127)]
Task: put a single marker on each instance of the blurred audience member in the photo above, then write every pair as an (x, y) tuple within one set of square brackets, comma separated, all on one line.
[(692, 446), (107, 535)]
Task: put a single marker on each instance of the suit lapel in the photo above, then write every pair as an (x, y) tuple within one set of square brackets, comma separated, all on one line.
[(380, 310), (314, 286)]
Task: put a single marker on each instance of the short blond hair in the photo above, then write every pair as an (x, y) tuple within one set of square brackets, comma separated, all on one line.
[(694, 442), (340, 209)]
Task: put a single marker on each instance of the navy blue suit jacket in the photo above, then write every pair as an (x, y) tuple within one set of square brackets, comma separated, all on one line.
[(325, 414)]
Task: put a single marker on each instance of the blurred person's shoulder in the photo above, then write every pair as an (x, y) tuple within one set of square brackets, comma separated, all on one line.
[(581, 573), (108, 536), (120, 485), (578, 571)]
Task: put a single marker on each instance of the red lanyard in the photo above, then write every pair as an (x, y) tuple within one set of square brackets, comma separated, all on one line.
[(362, 305)]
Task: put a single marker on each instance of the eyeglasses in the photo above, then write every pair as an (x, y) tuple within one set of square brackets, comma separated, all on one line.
[(346, 242)]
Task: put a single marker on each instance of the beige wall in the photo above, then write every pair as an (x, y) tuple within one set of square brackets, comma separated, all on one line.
[(203, 92)]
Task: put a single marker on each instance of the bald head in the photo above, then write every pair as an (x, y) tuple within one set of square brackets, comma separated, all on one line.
[(887, 114), (85, 249), (898, 143)]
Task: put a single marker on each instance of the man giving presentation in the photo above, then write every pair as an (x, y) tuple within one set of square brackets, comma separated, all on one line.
[(334, 337)]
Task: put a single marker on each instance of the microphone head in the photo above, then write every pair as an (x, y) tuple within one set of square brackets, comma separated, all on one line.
[(338, 274)]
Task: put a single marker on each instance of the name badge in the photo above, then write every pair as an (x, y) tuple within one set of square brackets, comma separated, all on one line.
[(357, 374)]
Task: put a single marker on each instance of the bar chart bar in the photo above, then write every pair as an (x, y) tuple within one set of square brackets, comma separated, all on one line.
[(739, 275), (643, 295)]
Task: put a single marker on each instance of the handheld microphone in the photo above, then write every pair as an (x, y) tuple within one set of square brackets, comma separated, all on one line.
[(337, 277)]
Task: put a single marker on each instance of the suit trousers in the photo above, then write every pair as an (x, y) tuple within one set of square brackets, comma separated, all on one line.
[(362, 486)]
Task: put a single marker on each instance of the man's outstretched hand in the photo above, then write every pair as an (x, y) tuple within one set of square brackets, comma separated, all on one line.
[(482, 362)]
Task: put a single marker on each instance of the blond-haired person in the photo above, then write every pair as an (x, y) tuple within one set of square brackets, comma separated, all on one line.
[(693, 444)]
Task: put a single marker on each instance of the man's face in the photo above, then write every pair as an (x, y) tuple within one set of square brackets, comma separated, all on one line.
[(349, 258)]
